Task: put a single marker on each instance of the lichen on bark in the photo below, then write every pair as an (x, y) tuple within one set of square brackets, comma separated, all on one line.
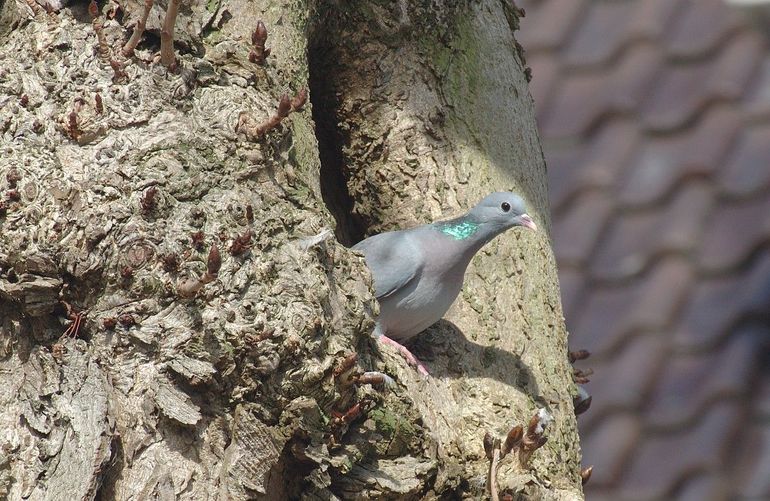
[(236, 392)]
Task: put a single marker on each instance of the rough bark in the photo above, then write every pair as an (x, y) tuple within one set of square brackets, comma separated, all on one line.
[(242, 391)]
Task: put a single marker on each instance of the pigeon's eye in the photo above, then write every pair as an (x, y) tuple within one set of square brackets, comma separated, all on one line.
[(505, 206)]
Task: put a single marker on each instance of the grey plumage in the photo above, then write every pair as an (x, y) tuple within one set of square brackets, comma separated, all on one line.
[(419, 272)]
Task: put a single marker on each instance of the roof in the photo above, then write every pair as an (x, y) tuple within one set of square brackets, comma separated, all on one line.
[(655, 121)]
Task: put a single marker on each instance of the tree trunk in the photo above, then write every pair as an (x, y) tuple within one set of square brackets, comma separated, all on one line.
[(175, 386)]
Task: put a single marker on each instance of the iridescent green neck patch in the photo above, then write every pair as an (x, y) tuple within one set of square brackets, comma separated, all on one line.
[(459, 231)]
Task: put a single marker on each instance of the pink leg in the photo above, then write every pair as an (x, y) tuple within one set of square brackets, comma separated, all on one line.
[(405, 353)]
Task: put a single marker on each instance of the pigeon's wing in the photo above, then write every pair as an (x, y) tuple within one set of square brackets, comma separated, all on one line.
[(394, 259)]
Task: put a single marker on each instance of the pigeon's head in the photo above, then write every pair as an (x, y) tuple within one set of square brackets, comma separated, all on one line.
[(502, 210)]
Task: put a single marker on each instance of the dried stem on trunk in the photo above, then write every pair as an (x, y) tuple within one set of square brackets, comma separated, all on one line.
[(167, 57), (259, 52), (98, 24), (190, 287), (35, 7), (493, 454), (136, 36), (254, 130)]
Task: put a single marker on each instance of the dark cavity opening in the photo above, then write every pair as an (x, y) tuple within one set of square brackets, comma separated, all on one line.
[(331, 138)]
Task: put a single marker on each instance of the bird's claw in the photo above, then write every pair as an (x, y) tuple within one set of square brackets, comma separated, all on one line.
[(404, 351)]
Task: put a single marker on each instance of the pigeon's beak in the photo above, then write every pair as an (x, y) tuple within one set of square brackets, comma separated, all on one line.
[(528, 222)]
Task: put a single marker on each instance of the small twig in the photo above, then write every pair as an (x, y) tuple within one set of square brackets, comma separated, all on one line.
[(119, 73), (259, 53), (99, 106), (574, 356), (252, 339), (126, 273), (36, 8), (582, 401), (516, 439), (77, 319), (72, 125), (512, 440), (213, 264), (198, 239), (492, 449), (582, 376), (253, 130), (241, 244), (533, 439), (136, 36), (375, 378), (190, 287), (170, 262), (345, 364), (341, 420), (104, 50), (126, 320), (350, 414), (148, 201), (167, 57), (298, 101), (13, 177), (585, 474)]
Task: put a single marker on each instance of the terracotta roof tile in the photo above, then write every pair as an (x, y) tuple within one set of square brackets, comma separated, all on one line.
[(734, 231), (634, 239), (571, 283), (545, 72), (609, 27), (742, 175), (705, 487), (701, 25), (677, 96), (691, 381), (601, 33), (737, 64), (684, 90), (607, 154), (578, 102), (664, 161), (661, 459), (559, 16), (576, 233), (752, 480), (757, 100), (597, 164), (716, 304), (762, 390), (563, 173), (622, 382), (584, 98), (597, 326), (658, 112), (613, 312), (607, 448)]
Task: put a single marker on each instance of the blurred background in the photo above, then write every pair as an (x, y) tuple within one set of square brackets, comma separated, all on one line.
[(655, 120)]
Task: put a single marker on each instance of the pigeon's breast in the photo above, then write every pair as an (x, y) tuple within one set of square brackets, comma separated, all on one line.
[(421, 304)]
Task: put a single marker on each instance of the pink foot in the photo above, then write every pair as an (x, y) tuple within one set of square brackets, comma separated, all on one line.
[(404, 351)]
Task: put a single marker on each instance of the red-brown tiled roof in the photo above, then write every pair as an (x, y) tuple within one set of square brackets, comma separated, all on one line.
[(655, 120)]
